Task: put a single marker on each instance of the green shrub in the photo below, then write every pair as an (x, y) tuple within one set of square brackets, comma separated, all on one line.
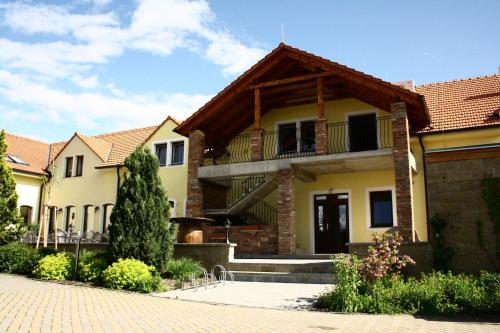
[(91, 265), (47, 251), (182, 269), (60, 266), (18, 258), (133, 275)]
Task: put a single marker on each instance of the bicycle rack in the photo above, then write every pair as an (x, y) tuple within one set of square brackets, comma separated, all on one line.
[(211, 278)]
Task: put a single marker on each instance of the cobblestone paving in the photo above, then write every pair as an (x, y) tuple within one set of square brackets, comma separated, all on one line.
[(33, 306)]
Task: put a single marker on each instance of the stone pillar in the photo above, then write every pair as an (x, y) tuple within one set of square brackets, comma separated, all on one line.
[(256, 144), (286, 211), (194, 203), (402, 170), (321, 137)]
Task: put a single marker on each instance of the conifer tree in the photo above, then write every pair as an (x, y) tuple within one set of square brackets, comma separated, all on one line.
[(11, 222), (139, 225)]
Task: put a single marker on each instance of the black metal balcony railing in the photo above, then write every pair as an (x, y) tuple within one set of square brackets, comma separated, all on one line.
[(340, 140), (342, 137)]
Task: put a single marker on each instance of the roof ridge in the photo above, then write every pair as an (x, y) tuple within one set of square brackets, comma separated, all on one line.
[(458, 80), (99, 136), (26, 138)]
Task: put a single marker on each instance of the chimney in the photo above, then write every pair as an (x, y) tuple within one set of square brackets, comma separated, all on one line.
[(408, 84)]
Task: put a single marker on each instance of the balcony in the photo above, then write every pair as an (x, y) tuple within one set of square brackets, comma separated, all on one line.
[(342, 137)]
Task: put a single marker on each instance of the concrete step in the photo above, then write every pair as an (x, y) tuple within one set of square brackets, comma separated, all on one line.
[(285, 256), (281, 265), (283, 277)]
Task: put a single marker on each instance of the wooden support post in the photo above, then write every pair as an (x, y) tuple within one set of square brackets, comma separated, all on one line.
[(321, 101), (257, 111)]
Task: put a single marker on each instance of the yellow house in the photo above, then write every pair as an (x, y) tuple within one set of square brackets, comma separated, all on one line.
[(28, 159), (310, 156), (86, 172)]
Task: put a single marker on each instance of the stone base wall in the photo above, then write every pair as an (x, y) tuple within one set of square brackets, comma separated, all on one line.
[(454, 189), (421, 252), (208, 254), (258, 239)]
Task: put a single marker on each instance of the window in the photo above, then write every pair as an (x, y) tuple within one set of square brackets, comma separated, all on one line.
[(106, 213), (86, 217), (26, 212), (69, 166), (79, 166), (287, 138), (381, 212), (307, 136), (177, 152), (363, 132), (161, 153), (69, 216), (15, 159)]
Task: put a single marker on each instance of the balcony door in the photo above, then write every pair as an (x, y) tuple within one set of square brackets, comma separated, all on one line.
[(363, 132), (331, 223), (296, 137)]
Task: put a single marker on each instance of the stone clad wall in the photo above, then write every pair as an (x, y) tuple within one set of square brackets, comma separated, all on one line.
[(454, 188)]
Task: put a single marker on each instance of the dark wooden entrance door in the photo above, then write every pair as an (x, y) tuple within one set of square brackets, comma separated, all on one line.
[(331, 223)]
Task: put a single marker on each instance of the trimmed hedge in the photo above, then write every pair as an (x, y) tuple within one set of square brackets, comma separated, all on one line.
[(18, 258)]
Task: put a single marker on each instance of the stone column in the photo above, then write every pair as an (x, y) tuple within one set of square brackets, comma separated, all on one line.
[(256, 144), (286, 211), (194, 203), (321, 139), (402, 170)]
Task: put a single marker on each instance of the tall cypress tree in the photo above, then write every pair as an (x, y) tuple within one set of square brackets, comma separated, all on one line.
[(10, 220), (140, 218)]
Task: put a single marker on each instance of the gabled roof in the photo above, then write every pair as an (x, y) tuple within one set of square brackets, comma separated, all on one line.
[(112, 148), (462, 104), (234, 98), (32, 152), (169, 118)]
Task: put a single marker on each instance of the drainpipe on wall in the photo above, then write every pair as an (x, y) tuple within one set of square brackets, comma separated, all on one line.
[(40, 199), (117, 181), (421, 142)]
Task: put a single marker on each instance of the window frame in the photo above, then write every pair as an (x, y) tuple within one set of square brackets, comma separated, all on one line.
[(30, 213), (369, 224), (68, 172), (298, 137), (172, 150), (79, 167), (169, 145)]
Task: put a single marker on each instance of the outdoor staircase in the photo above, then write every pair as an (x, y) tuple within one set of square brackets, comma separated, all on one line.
[(283, 269), (253, 189)]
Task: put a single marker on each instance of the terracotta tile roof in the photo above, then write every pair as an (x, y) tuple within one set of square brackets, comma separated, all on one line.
[(33, 152), (461, 104), (113, 147)]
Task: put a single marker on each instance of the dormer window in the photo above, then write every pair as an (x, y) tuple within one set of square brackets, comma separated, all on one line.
[(15, 159)]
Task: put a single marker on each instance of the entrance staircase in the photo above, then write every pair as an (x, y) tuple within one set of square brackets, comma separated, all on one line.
[(316, 269)]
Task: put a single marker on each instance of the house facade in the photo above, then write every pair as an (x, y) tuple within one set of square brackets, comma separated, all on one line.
[(320, 156)]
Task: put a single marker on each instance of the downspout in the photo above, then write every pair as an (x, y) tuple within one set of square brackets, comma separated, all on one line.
[(424, 162), (40, 199), (117, 181)]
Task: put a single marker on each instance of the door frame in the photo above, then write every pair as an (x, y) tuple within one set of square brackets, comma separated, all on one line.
[(312, 241)]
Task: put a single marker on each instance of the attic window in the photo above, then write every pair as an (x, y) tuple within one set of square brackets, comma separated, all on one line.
[(15, 159)]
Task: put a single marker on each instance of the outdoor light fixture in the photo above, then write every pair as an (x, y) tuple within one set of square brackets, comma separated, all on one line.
[(227, 224)]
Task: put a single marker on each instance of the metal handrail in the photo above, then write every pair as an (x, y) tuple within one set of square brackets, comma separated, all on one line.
[(264, 212), (236, 151)]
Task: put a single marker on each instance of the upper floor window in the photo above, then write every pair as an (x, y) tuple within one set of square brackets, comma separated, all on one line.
[(161, 153), (177, 152), (381, 211), (296, 136), (79, 166), (170, 153), (363, 132), (69, 166)]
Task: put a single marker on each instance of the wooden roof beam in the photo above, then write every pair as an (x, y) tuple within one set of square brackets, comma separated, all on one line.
[(290, 80)]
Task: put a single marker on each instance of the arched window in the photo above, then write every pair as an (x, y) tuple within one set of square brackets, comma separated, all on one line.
[(26, 212)]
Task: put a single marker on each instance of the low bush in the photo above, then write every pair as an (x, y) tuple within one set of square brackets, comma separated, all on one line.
[(133, 275), (182, 269), (47, 251), (60, 266), (91, 265), (18, 258)]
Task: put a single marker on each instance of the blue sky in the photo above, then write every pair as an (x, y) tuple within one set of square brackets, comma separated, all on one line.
[(96, 66)]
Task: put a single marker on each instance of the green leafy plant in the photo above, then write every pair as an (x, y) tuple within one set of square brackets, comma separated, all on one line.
[(133, 275), (18, 258), (139, 226), (442, 253), (11, 224), (60, 266), (91, 265), (47, 251), (182, 269)]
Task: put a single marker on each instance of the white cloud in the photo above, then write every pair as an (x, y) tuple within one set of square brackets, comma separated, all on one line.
[(156, 26), (96, 109)]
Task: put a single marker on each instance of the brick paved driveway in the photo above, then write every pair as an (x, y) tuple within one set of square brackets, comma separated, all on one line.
[(33, 306)]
